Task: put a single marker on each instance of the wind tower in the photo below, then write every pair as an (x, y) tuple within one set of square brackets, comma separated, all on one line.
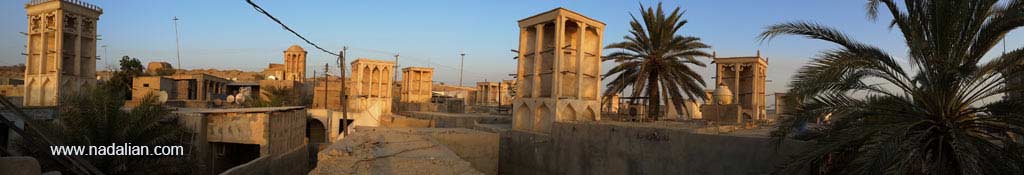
[(743, 78), (61, 49), (559, 70), (295, 64)]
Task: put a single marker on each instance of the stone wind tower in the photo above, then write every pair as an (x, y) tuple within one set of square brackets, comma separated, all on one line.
[(61, 49), (295, 64), (559, 70), (743, 80)]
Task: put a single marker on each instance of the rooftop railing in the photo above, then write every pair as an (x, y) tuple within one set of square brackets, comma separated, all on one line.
[(76, 2)]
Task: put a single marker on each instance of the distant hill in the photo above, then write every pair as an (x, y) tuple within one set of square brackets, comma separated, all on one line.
[(13, 71)]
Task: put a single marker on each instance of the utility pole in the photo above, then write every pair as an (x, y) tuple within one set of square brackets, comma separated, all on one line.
[(462, 60), (317, 82), (396, 85), (499, 95), (344, 91), (177, 41), (397, 66), (327, 85), (106, 54)]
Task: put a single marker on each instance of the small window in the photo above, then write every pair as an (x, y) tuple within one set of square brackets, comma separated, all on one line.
[(145, 85)]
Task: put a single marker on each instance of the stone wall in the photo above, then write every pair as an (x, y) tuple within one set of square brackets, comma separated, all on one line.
[(622, 148), (293, 162), (447, 120)]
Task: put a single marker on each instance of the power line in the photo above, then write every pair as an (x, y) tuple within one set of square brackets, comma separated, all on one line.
[(264, 12), (259, 9)]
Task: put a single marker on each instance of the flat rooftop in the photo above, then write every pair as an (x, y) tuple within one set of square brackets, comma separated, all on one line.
[(237, 110)]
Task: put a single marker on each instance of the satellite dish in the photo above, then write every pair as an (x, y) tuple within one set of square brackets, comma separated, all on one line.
[(161, 97), (271, 77), (231, 99)]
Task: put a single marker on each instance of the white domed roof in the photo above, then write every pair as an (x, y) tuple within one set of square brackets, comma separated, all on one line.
[(722, 90), (722, 94)]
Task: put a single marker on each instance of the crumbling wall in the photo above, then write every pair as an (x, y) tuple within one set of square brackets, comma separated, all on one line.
[(603, 148)]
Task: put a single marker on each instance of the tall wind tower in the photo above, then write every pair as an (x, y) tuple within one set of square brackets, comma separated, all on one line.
[(558, 76), (295, 64), (61, 49)]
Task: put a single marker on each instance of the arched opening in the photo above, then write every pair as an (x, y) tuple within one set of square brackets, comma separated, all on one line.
[(375, 83), (588, 115), (541, 123), (365, 82), (28, 93), (315, 131), (523, 119), (43, 89), (567, 113)]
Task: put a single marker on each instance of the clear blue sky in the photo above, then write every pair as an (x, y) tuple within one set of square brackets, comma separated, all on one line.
[(229, 34)]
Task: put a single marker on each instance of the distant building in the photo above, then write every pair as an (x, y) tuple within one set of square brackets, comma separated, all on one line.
[(13, 89), (61, 49), (416, 84), (196, 90), (293, 69), (740, 92), (295, 64), (373, 85), (780, 105), (274, 71), (493, 93), (327, 93), (157, 66)]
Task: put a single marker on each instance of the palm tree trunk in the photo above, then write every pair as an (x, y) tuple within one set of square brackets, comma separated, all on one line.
[(653, 102)]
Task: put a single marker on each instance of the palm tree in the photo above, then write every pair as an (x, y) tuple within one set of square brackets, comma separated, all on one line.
[(654, 58), (931, 119), (94, 117)]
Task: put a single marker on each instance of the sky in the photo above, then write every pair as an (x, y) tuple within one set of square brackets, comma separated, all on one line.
[(230, 34)]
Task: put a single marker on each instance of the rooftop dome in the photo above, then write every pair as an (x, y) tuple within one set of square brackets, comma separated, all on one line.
[(295, 48)]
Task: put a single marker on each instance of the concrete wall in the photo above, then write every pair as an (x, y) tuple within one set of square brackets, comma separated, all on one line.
[(279, 132), (398, 121), (256, 166), (617, 148), (478, 148)]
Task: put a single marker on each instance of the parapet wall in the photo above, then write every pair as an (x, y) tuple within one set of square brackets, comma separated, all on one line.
[(449, 120), (624, 148)]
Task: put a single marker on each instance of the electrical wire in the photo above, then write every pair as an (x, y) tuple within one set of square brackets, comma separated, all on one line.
[(260, 9), (289, 29)]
